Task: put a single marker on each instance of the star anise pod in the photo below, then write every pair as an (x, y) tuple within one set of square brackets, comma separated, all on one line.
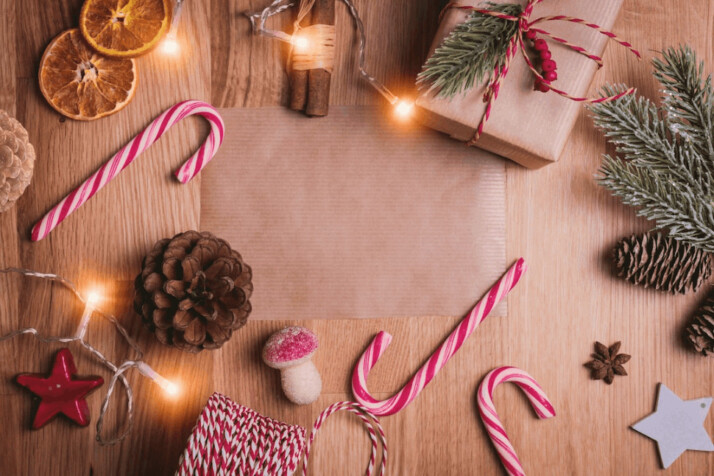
[(607, 362)]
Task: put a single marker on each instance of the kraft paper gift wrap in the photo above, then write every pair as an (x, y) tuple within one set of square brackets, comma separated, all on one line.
[(356, 215), (526, 126)]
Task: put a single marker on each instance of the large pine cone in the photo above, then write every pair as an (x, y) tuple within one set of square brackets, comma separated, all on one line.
[(17, 160), (655, 260), (193, 291), (701, 331)]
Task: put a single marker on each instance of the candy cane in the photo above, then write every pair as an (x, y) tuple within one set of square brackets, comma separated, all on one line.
[(438, 359), (494, 427), (131, 151)]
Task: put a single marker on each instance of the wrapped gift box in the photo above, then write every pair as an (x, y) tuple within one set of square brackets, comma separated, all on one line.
[(526, 126)]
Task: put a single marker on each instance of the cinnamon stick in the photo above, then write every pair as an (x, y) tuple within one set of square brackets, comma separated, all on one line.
[(318, 83), (298, 79)]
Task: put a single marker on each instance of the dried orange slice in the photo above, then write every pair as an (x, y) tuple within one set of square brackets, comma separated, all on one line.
[(124, 28), (82, 84)]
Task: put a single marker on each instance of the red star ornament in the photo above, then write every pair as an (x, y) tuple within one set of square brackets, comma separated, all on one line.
[(60, 393)]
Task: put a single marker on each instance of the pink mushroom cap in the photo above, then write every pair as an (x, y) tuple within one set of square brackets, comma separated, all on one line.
[(290, 346)]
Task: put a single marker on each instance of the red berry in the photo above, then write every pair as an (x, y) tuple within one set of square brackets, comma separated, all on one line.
[(530, 34), (549, 65), (550, 75), (541, 86), (545, 54), (540, 44)]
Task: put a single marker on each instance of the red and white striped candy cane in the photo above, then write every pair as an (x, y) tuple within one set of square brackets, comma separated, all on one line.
[(131, 151), (438, 359), (370, 422), (494, 427)]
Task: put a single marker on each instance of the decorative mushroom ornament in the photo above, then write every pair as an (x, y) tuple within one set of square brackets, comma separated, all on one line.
[(290, 350)]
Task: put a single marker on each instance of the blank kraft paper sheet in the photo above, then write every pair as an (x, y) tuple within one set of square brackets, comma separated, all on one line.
[(356, 215)]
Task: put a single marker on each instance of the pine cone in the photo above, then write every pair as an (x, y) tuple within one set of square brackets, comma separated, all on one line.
[(655, 260), (193, 291), (17, 160), (701, 331)]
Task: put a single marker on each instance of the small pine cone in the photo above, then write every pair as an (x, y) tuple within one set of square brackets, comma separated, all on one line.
[(193, 291), (17, 160), (657, 261), (700, 332)]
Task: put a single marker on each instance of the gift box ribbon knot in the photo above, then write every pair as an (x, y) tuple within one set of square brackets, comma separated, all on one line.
[(517, 43)]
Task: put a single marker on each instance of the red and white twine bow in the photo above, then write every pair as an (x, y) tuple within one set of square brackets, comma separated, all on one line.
[(517, 44)]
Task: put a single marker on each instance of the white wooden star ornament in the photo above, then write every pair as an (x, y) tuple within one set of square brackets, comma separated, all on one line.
[(677, 425)]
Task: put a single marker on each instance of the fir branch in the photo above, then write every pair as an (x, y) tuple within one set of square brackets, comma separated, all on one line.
[(688, 98), (665, 163), (471, 52), (643, 137), (669, 204)]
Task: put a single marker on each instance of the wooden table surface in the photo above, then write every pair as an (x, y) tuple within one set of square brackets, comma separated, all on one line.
[(557, 218)]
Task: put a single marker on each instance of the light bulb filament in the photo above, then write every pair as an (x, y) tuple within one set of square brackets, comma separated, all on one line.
[(403, 108), (170, 45), (300, 43)]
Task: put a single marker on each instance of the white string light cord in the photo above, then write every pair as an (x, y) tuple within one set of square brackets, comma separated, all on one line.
[(117, 371), (257, 19)]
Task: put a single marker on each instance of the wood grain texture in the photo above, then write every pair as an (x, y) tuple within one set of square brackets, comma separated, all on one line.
[(557, 218)]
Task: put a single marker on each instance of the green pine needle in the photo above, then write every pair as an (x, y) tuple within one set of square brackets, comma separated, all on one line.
[(665, 163), (471, 52), (689, 99)]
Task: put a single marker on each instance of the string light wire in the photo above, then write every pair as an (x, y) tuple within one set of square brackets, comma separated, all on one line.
[(259, 18), (117, 371)]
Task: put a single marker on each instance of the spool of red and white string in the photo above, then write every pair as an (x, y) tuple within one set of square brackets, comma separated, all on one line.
[(131, 151), (494, 427), (232, 439)]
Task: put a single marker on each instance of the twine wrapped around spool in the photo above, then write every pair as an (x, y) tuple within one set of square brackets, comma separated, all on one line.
[(232, 439)]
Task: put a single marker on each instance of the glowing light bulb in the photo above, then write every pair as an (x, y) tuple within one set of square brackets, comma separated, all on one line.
[(403, 108), (93, 298), (168, 386), (91, 302), (300, 43), (170, 46)]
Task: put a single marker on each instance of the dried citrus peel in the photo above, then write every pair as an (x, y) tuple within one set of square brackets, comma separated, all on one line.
[(82, 84), (124, 28)]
